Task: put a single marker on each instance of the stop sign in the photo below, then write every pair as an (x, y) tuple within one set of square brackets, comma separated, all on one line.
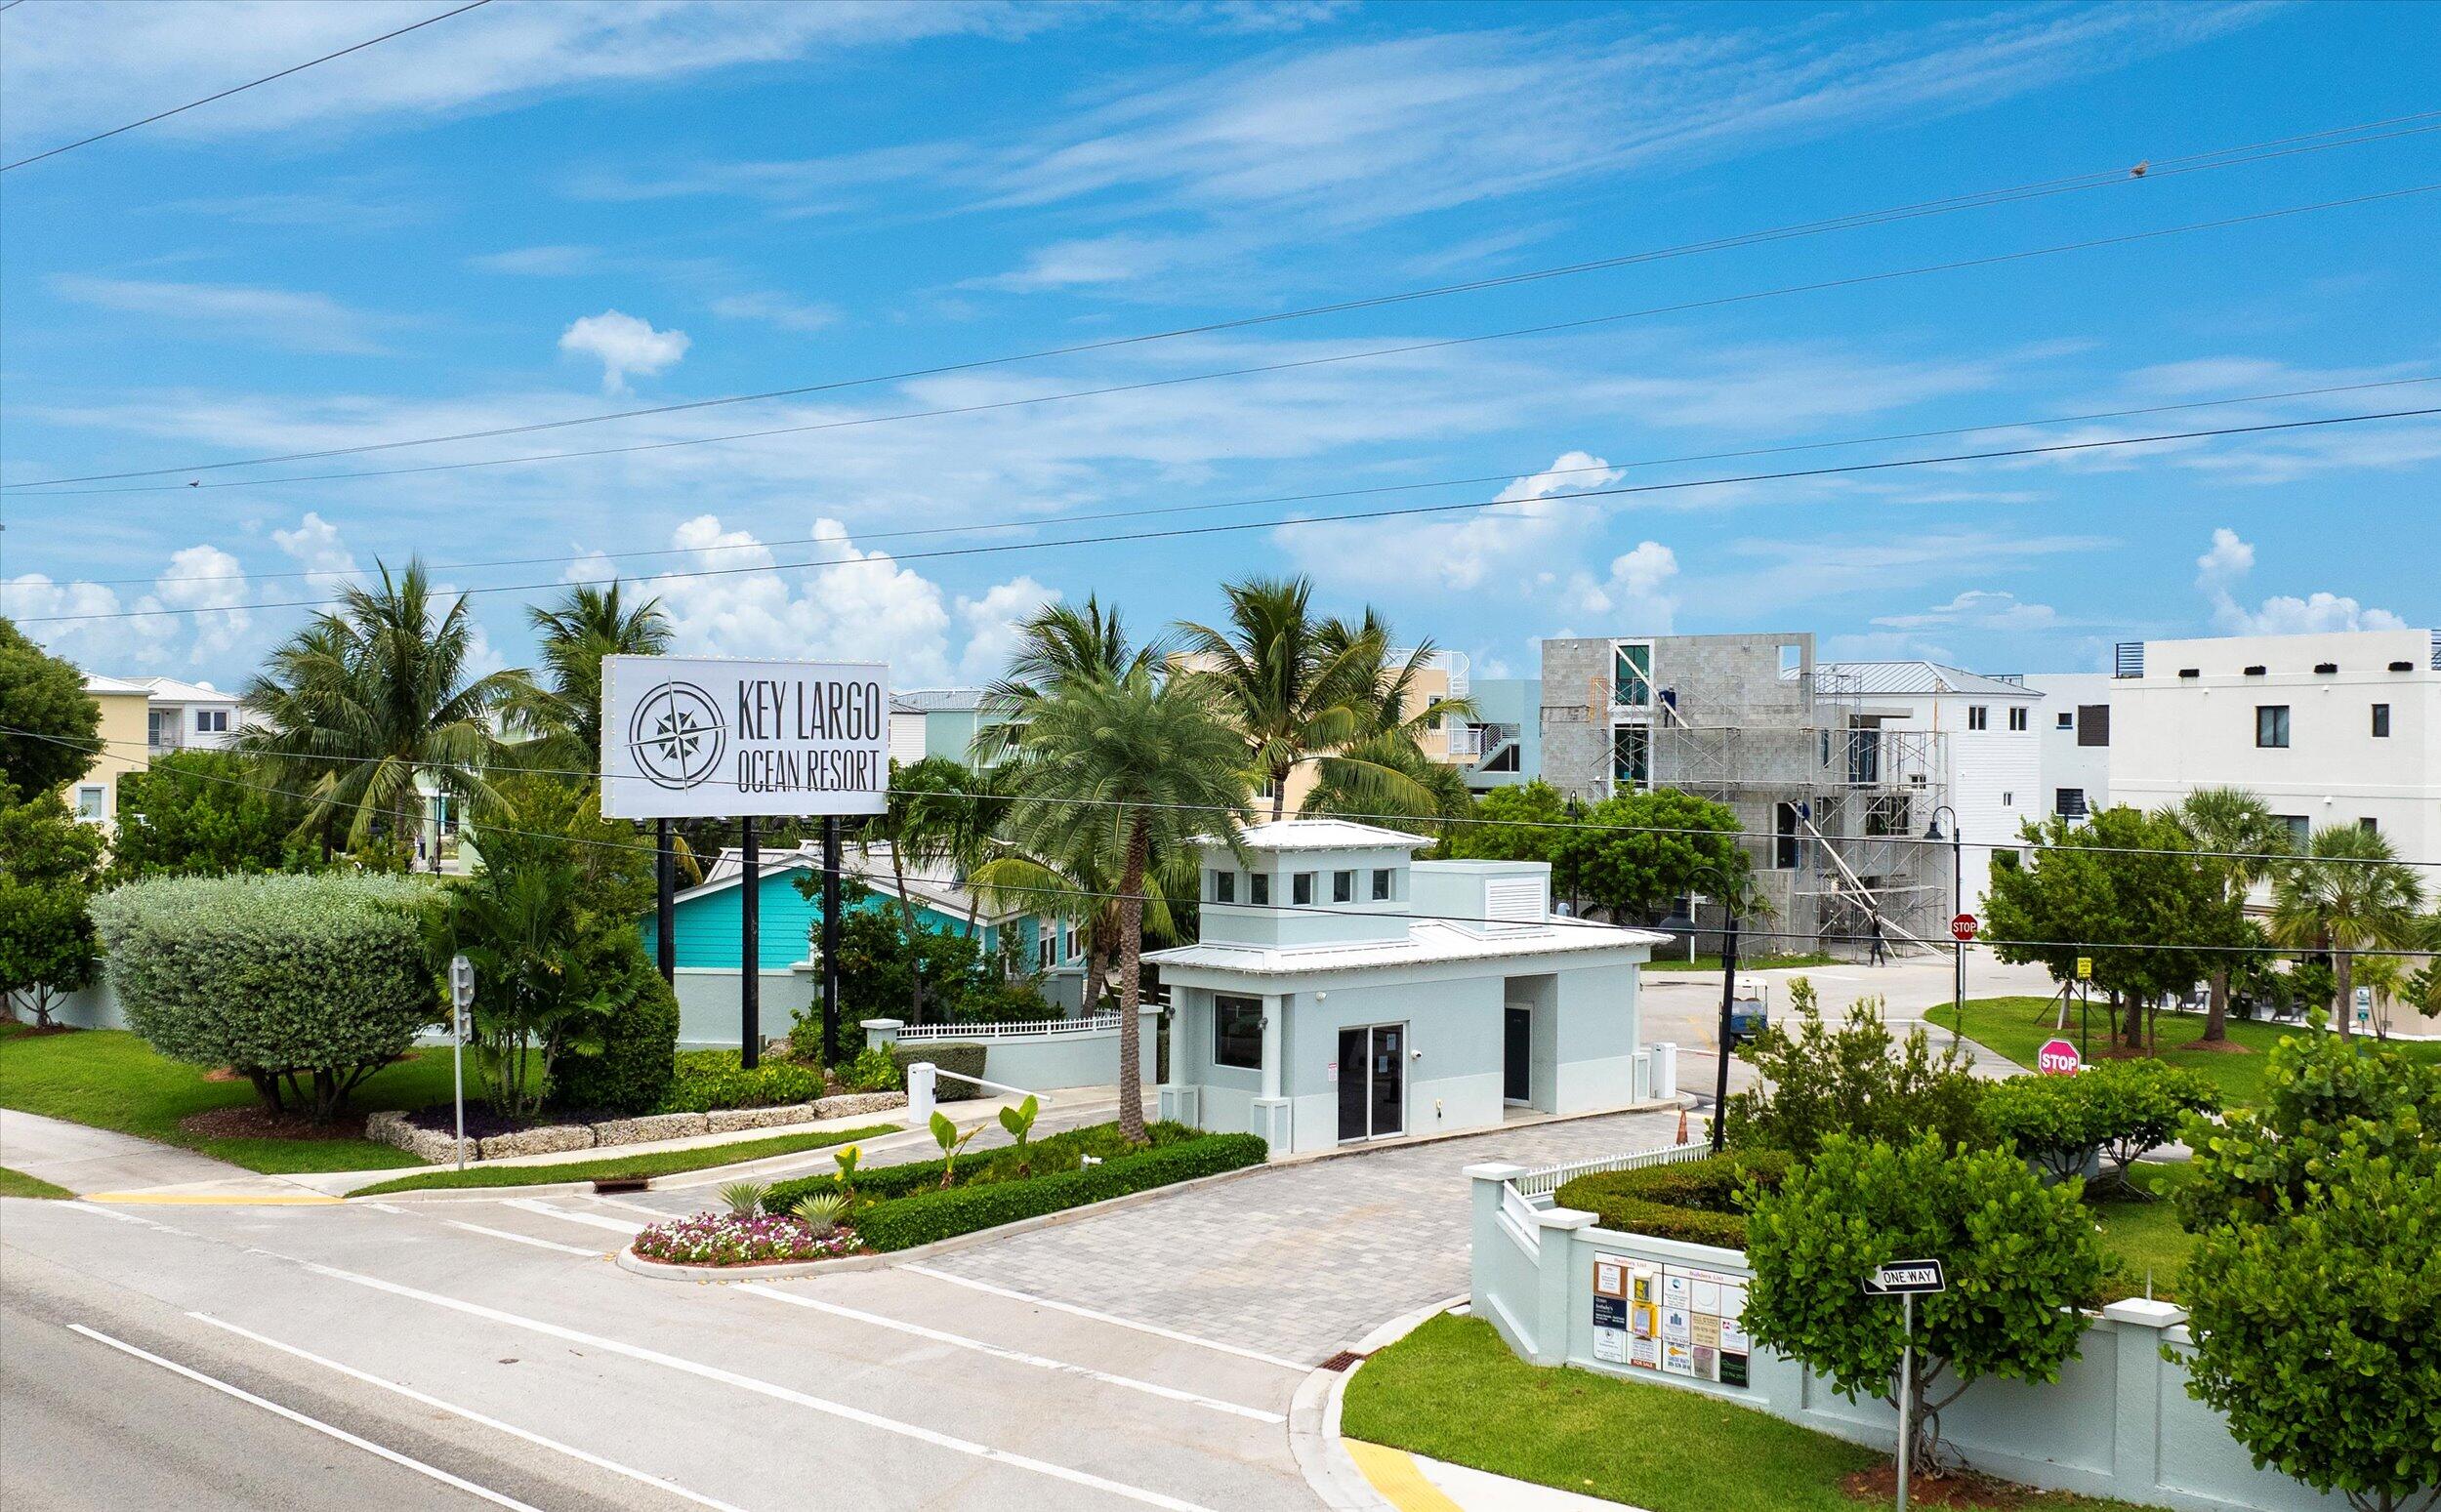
[(1963, 927), (2057, 1058)]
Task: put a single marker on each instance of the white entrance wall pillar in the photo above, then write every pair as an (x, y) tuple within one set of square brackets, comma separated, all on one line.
[(2140, 1378), (1271, 1109), (1181, 1101), (919, 1093)]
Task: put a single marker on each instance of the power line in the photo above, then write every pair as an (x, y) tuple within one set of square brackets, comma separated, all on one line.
[(642, 848), (1234, 504), (1409, 511), (2284, 857), (163, 116), (1243, 322)]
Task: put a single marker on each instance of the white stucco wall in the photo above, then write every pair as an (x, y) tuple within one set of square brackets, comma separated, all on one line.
[(2066, 763)]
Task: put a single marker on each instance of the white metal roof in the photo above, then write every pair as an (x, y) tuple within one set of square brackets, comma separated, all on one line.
[(95, 683), (170, 691), (938, 700), (1428, 942), (1323, 835), (1889, 678)]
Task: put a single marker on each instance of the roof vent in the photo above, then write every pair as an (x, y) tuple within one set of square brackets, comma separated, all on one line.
[(2326, 667), (2402, 665), (2190, 672), (2254, 671)]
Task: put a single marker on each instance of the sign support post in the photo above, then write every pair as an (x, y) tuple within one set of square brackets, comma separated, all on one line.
[(461, 1008), (665, 901), (750, 948), (1905, 1279), (830, 939)]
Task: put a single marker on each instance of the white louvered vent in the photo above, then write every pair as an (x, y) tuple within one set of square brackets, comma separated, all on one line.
[(1513, 900)]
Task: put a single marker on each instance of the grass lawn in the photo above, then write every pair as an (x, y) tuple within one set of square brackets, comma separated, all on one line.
[(2017, 1027), (109, 1079), (16, 1183), (1744, 963), (2146, 1236), (1453, 1391), (664, 1163)]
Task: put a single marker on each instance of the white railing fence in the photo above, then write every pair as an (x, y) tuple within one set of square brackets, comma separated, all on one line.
[(1550, 1178), (1020, 1029)]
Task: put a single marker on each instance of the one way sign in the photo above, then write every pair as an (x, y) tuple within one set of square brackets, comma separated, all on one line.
[(1907, 1277)]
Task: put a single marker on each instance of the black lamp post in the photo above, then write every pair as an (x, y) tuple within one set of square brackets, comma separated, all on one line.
[(1958, 905), (1728, 995)]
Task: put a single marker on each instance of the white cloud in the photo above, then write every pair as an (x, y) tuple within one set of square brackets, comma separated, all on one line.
[(298, 320), (623, 344), (2225, 566), (1635, 595), (992, 626), (1977, 609), (194, 614), (779, 310), (1528, 520), (318, 548), (552, 262)]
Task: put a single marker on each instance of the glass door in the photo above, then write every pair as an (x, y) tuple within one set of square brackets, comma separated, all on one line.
[(1355, 1083), (1390, 1080)]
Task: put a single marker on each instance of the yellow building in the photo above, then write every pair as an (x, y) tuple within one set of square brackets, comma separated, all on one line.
[(95, 796)]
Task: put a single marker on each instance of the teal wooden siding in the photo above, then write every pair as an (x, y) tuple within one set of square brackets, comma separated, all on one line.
[(707, 928)]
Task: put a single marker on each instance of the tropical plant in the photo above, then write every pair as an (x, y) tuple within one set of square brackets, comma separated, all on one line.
[(363, 701), (845, 1159), (820, 1211), (945, 1135), (1816, 1083), (563, 708), (1385, 771), (1020, 1122), (633, 1070), (2240, 833), (203, 813), (53, 724), (1060, 647), (2318, 1221), (1291, 690), (2021, 1256), (919, 825), (2116, 1111), (743, 1199), (49, 867), (1524, 823), (1129, 772), (2348, 892)]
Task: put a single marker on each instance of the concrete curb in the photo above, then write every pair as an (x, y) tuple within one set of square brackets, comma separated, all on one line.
[(1314, 1420), (715, 1175), (939, 1246)]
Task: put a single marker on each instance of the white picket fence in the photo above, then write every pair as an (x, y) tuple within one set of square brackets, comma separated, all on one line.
[(1022, 1029)]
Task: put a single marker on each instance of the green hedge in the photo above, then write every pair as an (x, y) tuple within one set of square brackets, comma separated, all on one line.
[(638, 1060), (1692, 1200), (927, 1216), (706, 1080), (963, 1056), (1050, 1154)]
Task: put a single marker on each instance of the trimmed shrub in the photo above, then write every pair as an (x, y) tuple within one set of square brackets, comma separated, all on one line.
[(1813, 1080), (2115, 1109), (1693, 1200), (1060, 1151), (702, 1080), (874, 1070), (306, 985), (633, 1070), (926, 1216), (962, 1056)]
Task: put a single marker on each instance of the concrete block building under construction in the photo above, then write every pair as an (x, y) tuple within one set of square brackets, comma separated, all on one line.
[(1833, 796)]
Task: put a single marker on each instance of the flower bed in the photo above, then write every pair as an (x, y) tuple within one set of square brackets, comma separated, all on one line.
[(726, 1238)]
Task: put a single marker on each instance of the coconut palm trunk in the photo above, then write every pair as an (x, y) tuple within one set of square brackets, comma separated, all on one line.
[(2343, 971), (1131, 980)]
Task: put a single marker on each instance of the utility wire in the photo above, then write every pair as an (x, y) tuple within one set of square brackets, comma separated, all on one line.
[(1175, 532), (2284, 857), (1374, 302), (1035, 522), (1076, 893), (192, 104)]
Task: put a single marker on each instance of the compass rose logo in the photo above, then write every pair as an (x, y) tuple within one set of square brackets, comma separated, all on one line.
[(677, 736)]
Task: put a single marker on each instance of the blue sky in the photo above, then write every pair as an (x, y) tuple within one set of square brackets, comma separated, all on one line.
[(540, 212)]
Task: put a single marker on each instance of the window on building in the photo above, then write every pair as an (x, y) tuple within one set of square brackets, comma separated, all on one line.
[(1343, 886), (1784, 836), (1432, 722), (2271, 726), (2068, 803), (211, 721), (1888, 814), (2382, 721), (1979, 717), (2017, 717), (2370, 825), (2064, 720), (2300, 831), (1046, 944), (1791, 659), (1381, 885), (93, 803), (1075, 939), (2093, 724), (1222, 887), (1632, 676), (1238, 1033), (2008, 800), (1300, 888), (1259, 888), (1631, 757), (160, 729)]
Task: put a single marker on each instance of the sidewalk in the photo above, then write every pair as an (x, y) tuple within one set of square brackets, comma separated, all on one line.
[(91, 1162)]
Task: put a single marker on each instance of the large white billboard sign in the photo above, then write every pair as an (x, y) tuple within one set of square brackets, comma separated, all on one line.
[(709, 738)]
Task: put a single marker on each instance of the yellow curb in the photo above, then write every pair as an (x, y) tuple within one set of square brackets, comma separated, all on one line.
[(213, 1200), (1395, 1474)]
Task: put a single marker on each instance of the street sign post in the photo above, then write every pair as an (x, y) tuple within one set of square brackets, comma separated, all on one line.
[(1907, 1280), (2058, 1058), (1963, 928), (461, 1021)]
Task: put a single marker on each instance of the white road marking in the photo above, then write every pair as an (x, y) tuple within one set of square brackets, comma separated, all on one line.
[(526, 1239), (314, 1423), (389, 1208), (711, 1373), (473, 1416), (100, 1211), (1040, 1362), (1154, 1329), (596, 1220)]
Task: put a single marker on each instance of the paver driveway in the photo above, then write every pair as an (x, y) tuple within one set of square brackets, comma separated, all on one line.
[(1297, 1261)]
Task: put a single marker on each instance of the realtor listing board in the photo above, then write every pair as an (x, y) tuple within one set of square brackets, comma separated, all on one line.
[(1675, 1319)]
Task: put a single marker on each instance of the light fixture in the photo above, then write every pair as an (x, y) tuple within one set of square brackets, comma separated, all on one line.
[(1933, 831)]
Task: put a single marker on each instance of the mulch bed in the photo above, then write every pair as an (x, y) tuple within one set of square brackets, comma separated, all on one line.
[(256, 1121), (1881, 1483)]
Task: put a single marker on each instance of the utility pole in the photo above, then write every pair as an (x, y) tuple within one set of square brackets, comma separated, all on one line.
[(830, 939), (750, 948), (1728, 994)]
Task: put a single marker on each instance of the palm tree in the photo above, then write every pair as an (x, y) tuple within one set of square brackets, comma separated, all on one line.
[(1387, 771), (2242, 827), (1129, 769), (1061, 646), (2347, 893), (1292, 690), (563, 708), (362, 700)]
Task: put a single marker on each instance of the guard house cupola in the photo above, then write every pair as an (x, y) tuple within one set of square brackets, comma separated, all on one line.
[(1308, 883)]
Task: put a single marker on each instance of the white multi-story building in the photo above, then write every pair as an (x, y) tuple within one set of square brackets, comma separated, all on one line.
[(1991, 755), (2339, 729), (2073, 722), (189, 716)]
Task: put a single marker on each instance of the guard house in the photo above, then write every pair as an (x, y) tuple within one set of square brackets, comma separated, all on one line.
[(1344, 991)]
